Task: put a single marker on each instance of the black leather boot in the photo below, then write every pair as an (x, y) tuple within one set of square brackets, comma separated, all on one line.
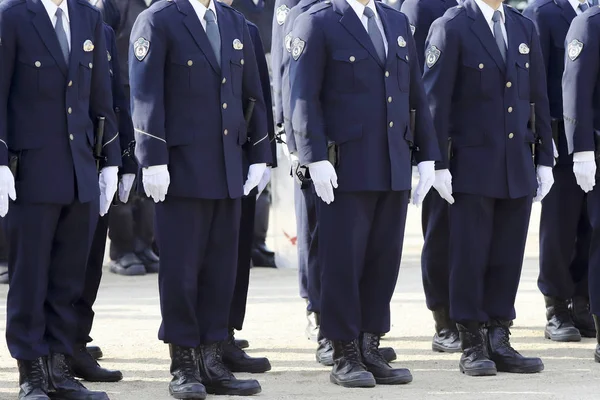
[(312, 327), (597, 353), (506, 358), (186, 382), (581, 316), (33, 379), (348, 368), (128, 265), (95, 351), (324, 354), (242, 343), (560, 326), (446, 338), (217, 378), (87, 368), (475, 360), (236, 359), (382, 371), (63, 384)]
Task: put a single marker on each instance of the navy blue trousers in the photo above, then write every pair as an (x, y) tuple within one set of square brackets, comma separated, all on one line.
[(198, 244), (93, 275), (593, 203), (309, 272), (487, 246), (237, 313), (434, 257), (49, 247), (564, 238), (360, 245)]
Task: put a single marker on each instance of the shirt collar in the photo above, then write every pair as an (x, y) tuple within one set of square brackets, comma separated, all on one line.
[(359, 9), (575, 4), (201, 9), (488, 12), (51, 9)]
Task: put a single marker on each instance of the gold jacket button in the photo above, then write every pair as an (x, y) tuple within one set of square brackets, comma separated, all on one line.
[(352, 58), (190, 63), (70, 110), (508, 84), (387, 74), (511, 135), (225, 132), (510, 109), (70, 83), (38, 64), (224, 81), (224, 106), (71, 137), (481, 66), (391, 124)]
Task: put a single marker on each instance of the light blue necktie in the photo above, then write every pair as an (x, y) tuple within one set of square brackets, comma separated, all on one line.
[(375, 34), (497, 18), (62, 35), (212, 31), (584, 6)]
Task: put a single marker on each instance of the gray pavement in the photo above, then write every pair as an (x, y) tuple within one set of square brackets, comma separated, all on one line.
[(128, 317)]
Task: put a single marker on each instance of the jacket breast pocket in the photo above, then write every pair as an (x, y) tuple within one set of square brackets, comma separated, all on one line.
[(85, 78), (237, 73), (477, 77), (40, 75), (523, 79), (187, 73), (403, 70), (346, 71)]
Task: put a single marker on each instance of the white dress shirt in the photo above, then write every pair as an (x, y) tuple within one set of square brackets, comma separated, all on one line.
[(51, 10), (488, 14), (360, 12), (575, 4), (201, 10)]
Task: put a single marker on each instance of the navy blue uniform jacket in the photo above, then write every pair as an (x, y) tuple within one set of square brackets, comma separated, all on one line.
[(187, 111), (483, 104), (340, 92), (48, 108)]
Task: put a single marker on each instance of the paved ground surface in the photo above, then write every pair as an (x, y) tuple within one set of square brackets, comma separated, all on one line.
[(128, 319)]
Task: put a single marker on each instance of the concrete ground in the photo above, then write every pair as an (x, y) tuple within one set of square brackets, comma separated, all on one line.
[(128, 317)]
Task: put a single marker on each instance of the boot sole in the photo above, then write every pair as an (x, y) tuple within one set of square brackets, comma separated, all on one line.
[(249, 370), (522, 370), (396, 380), (355, 383), (231, 392), (324, 362), (562, 338), (106, 380), (187, 396), (479, 371), (442, 349)]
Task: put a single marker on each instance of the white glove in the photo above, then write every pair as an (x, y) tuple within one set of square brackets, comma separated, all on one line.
[(108, 182), (545, 179), (264, 181), (585, 173), (324, 179), (443, 184), (255, 174), (125, 185), (426, 179), (7, 189), (156, 181)]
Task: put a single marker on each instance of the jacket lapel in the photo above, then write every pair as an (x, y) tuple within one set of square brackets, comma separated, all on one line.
[(228, 36), (195, 28), (77, 35), (483, 32), (352, 23), (389, 34), (567, 10), (512, 31), (45, 30)]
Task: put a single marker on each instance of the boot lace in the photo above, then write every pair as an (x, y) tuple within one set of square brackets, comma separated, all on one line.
[(218, 361), (372, 349), (37, 375)]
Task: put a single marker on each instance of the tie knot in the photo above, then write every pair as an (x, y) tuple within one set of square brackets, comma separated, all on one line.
[(497, 17), (209, 16), (583, 6), (59, 13), (369, 13)]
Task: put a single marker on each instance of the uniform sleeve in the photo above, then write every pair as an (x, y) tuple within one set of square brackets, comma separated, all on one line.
[(263, 71), (421, 18), (147, 83), (101, 102), (7, 62), (277, 49), (443, 49), (424, 134), (307, 69), (259, 149), (544, 33), (539, 95), (121, 110), (579, 80)]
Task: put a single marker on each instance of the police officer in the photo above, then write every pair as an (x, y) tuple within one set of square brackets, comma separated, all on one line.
[(192, 70), (564, 225), (84, 365), (483, 69), (434, 257), (233, 355), (354, 79), (54, 83), (581, 102)]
